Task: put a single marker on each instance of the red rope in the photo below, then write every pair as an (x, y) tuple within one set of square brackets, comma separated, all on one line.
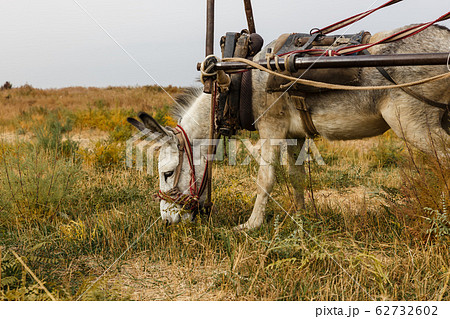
[(189, 154), (395, 37), (190, 200), (353, 19), (352, 49)]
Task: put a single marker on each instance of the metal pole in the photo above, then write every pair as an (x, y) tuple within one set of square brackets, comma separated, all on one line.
[(209, 27), (209, 48), (348, 61), (209, 88), (249, 14)]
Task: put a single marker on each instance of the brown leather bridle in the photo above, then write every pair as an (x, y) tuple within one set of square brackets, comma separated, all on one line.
[(189, 200)]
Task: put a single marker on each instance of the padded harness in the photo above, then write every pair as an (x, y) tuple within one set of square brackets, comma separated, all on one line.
[(296, 45), (234, 107)]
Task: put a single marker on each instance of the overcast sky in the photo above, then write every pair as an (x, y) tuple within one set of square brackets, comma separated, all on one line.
[(55, 43)]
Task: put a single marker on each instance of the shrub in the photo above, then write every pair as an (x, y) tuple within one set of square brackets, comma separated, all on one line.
[(421, 201), (439, 222), (6, 86), (121, 133), (102, 118), (38, 184), (50, 135), (386, 154), (105, 154)]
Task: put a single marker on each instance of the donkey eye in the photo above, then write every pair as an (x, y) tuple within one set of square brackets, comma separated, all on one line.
[(167, 174)]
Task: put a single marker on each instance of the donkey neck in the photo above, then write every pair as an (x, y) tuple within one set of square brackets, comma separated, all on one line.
[(195, 120)]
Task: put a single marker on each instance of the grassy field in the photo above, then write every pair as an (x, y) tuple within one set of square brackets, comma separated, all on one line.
[(75, 220)]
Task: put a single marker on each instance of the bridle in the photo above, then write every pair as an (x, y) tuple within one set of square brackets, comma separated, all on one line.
[(189, 200)]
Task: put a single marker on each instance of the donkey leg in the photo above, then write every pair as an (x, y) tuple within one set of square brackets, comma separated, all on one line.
[(297, 173), (273, 125), (265, 182)]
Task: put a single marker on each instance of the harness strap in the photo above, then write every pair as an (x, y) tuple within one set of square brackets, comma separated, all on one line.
[(189, 155), (246, 119), (407, 90), (180, 157), (174, 195), (290, 58), (305, 116)]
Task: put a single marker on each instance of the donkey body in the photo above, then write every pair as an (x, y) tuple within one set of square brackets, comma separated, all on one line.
[(337, 115)]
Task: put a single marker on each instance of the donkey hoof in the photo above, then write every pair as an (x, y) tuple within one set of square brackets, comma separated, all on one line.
[(241, 227)]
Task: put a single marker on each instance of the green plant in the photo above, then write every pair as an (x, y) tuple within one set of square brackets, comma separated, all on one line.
[(121, 133), (105, 154), (163, 117), (49, 136), (102, 117), (386, 154), (439, 221), (37, 183), (16, 283)]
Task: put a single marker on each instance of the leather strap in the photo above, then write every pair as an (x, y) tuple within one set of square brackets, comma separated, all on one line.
[(412, 93), (305, 116), (290, 58), (407, 90), (189, 200), (180, 158), (246, 119)]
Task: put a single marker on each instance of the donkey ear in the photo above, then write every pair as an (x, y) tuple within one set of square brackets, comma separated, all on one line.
[(136, 123), (151, 124)]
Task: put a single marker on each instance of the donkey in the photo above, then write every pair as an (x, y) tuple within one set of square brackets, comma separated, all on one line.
[(337, 115)]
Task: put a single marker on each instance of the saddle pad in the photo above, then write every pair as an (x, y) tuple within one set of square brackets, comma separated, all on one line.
[(292, 42)]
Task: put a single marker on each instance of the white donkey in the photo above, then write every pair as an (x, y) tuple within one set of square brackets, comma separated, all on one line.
[(337, 115)]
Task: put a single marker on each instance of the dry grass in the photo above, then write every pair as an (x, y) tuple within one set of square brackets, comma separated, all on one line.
[(191, 280), (372, 239), (19, 107)]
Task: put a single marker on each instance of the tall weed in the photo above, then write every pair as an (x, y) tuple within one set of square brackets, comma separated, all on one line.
[(49, 136), (421, 202), (38, 184)]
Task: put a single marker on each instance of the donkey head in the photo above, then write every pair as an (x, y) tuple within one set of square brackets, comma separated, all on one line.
[(178, 190)]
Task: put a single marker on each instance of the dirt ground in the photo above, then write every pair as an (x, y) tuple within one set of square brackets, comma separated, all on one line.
[(143, 280), (85, 138)]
